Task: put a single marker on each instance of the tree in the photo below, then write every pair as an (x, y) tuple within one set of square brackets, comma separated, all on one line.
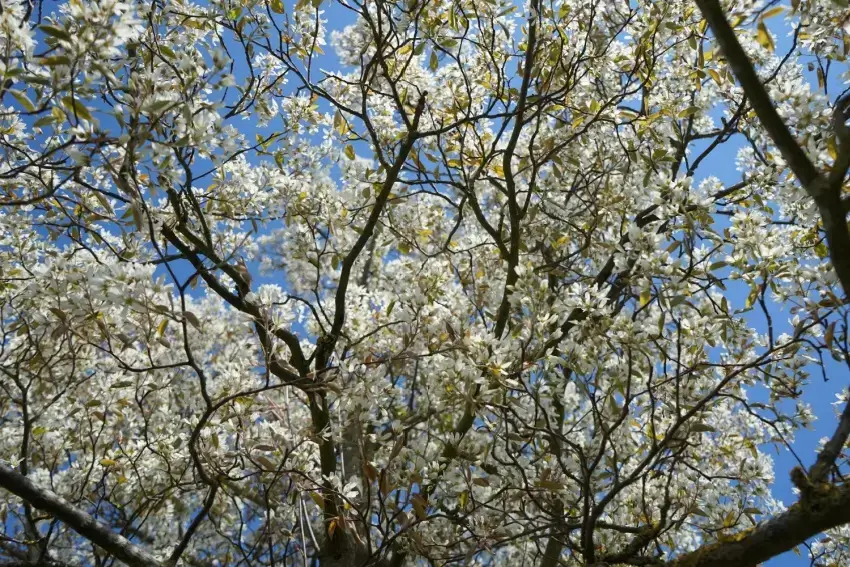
[(479, 296)]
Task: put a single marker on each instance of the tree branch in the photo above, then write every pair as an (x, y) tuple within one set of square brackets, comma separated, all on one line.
[(193, 527), (826, 191), (833, 447), (743, 69), (76, 519), (824, 510), (348, 262)]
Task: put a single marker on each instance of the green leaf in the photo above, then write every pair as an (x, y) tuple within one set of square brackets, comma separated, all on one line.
[(550, 485), (420, 506), (830, 334), (432, 61), (715, 76), (702, 428), (104, 202), (775, 11), (751, 298), (44, 121), (55, 60), (58, 33), (22, 99), (192, 319), (76, 107), (317, 498), (58, 312), (340, 125), (267, 464), (36, 79), (349, 151), (764, 38), (158, 106), (126, 339)]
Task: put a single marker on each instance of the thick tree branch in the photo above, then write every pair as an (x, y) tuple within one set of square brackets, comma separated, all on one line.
[(832, 449), (841, 113), (514, 211), (823, 510), (238, 301), (826, 191), (743, 69), (822, 506), (76, 519)]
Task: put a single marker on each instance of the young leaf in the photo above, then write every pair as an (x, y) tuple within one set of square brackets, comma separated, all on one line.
[(764, 38), (53, 31), (192, 319)]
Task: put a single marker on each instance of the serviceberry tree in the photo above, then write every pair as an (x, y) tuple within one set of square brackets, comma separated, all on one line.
[(455, 282)]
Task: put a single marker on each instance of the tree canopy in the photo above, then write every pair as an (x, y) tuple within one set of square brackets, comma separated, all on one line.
[(451, 282)]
